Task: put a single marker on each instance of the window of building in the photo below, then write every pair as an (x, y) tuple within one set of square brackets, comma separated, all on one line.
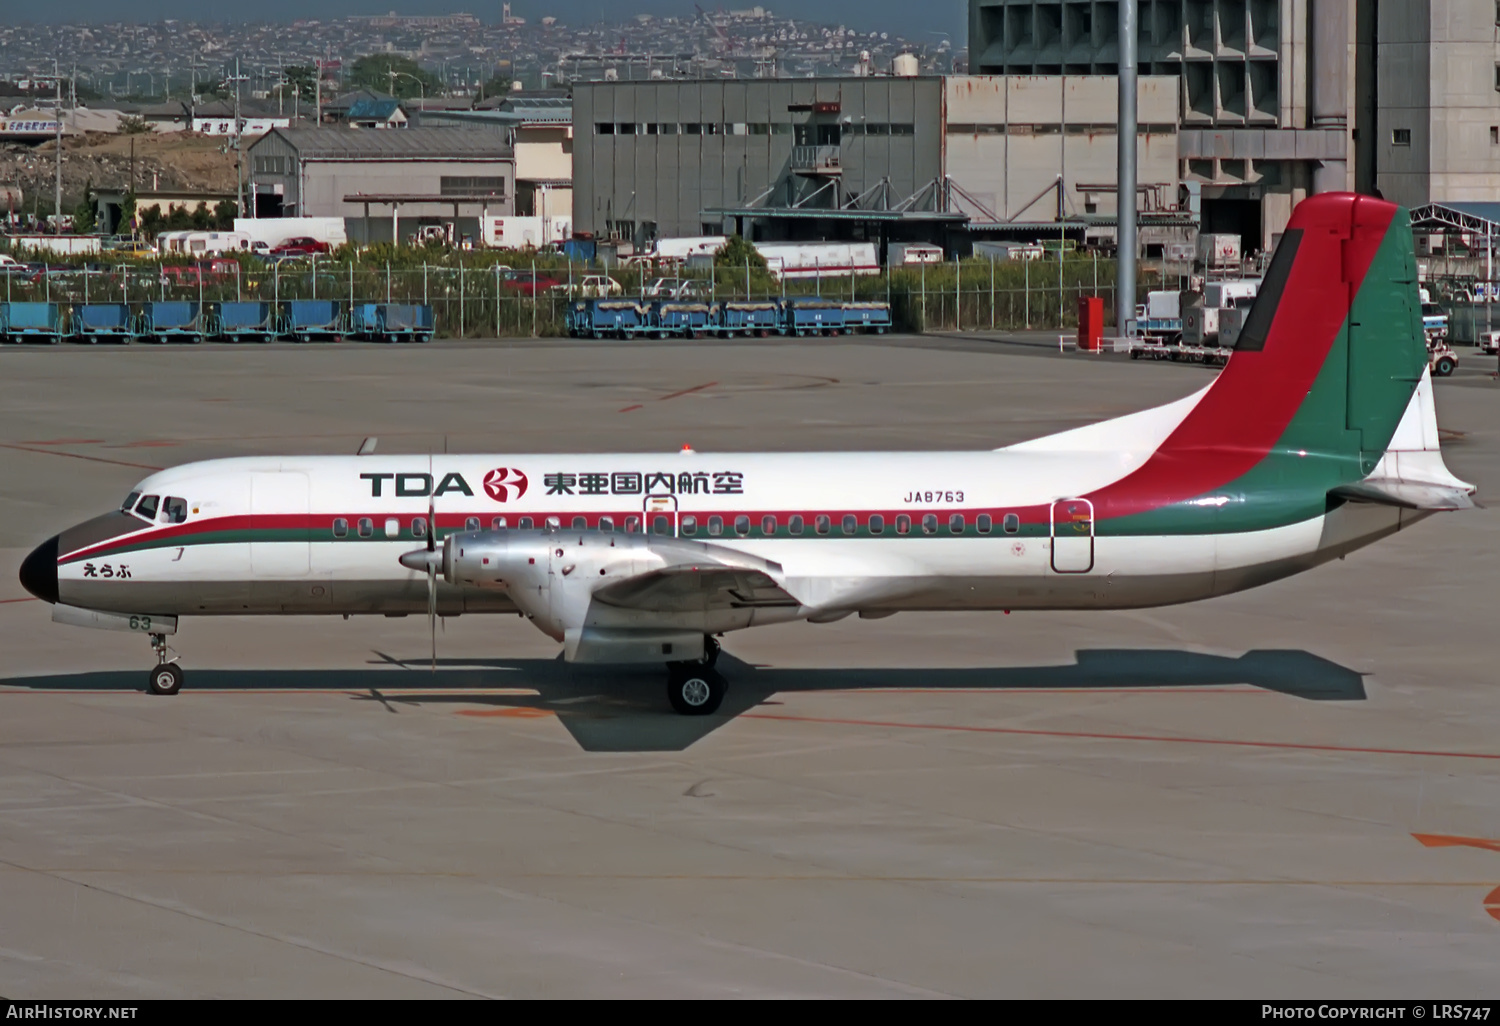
[(716, 526), (768, 525), (269, 165), (340, 527), (691, 128), (471, 523), (821, 524), (929, 523), (906, 129), (667, 128), (712, 128), (737, 128), (498, 524), (877, 128), (983, 522), (794, 525), (877, 523), (903, 524), (851, 523), (742, 525), (460, 185), (758, 128), (781, 128), (956, 524), (1011, 523), (1402, 136), (650, 129), (366, 527), (604, 128), (1495, 135), (580, 523), (392, 527), (625, 128)]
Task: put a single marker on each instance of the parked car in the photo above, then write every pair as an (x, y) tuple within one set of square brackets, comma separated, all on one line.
[(593, 286), (526, 284), (676, 288), (301, 246), (206, 272)]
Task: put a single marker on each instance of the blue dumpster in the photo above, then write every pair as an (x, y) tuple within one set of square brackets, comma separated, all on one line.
[(811, 316), (405, 322), (869, 316), (245, 322), (737, 317), (307, 319), (31, 322), (171, 322), (103, 322)]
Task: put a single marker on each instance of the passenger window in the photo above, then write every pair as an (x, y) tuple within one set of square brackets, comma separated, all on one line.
[(419, 527), (606, 523), (392, 528), (742, 525), (340, 527), (174, 510), (851, 523), (877, 523), (768, 526), (929, 523), (903, 524), (661, 524), (471, 523), (715, 526), (956, 524), (632, 525), (366, 527), (794, 525), (525, 523), (498, 524), (130, 500), (147, 507), (688, 524), (553, 523), (1011, 523), (580, 523), (821, 524), (983, 522)]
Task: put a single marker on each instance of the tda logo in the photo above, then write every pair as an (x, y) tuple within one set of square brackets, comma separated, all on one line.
[(504, 484), (408, 486)]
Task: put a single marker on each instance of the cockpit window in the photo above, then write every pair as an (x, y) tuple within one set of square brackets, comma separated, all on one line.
[(130, 500), (147, 507), (174, 510)]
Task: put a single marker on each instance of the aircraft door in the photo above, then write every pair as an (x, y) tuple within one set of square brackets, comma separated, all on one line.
[(279, 504), (660, 515), (1072, 536)]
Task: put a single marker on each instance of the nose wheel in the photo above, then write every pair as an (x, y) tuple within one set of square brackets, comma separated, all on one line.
[(167, 678), (695, 689)]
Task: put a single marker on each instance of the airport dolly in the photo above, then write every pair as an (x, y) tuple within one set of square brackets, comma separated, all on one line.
[(171, 322), (31, 322), (102, 322)]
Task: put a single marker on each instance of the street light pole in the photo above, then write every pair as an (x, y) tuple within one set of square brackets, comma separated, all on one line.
[(57, 116), (1125, 175)]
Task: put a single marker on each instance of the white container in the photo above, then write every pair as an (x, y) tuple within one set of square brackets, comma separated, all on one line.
[(273, 231), (1219, 251), (902, 253), (819, 259), (512, 232)]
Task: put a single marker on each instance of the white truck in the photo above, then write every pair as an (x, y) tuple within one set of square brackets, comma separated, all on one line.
[(904, 253), (819, 259), (1160, 316), (1219, 252)]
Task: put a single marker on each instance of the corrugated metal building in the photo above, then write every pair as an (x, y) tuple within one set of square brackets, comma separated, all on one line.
[(384, 183)]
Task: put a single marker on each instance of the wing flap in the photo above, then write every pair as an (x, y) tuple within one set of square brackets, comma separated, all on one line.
[(691, 587), (1391, 491)]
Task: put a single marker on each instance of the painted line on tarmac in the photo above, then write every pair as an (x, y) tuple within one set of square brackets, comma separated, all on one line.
[(672, 395), (78, 456), (1097, 736)]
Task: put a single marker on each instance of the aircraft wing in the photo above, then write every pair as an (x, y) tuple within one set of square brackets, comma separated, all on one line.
[(1394, 491), (695, 586)]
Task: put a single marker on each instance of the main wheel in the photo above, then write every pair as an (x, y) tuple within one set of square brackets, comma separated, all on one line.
[(166, 679), (695, 690), (1444, 367)]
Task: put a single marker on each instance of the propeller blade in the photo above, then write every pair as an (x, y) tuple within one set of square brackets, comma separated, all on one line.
[(432, 610)]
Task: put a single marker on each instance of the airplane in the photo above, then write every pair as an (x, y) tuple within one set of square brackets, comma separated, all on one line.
[(1319, 437)]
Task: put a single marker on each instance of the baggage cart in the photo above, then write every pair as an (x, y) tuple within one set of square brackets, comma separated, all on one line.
[(103, 322)]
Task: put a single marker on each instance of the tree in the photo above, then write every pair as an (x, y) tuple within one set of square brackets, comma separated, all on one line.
[(179, 220), (127, 214), (201, 218), (152, 223), (393, 74), (736, 252), (497, 85), (130, 125), (303, 78), (83, 214), (224, 214)]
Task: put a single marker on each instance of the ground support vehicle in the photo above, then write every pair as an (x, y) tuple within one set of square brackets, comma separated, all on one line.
[(1441, 358), (811, 316), (307, 319), (404, 322), (869, 315), (1155, 349), (741, 317), (364, 322), (606, 318), (32, 322), (102, 322), (676, 318), (1489, 342), (250, 321), (171, 322)]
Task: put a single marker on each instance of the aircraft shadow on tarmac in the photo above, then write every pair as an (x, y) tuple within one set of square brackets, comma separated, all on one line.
[(624, 709)]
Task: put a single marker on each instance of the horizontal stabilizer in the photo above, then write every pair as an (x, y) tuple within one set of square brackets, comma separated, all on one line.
[(1393, 491)]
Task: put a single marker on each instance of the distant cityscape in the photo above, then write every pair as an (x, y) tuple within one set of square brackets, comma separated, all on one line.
[(172, 59)]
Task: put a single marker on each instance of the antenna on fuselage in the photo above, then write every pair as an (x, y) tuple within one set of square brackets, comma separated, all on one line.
[(367, 447)]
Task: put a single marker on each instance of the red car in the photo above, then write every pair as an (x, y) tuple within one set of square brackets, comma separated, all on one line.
[(524, 283), (302, 245)]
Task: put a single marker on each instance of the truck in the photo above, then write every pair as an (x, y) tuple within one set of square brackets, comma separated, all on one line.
[(1219, 252), (1008, 251), (273, 231), (1160, 316), (202, 243), (818, 259)]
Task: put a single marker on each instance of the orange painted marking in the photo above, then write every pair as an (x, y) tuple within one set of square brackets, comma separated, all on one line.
[(1493, 898), (1447, 841), (27, 599), (627, 409), (519, 712), (1092, 735), (78, 456), (144, 444), (70, 441), (685, 391)]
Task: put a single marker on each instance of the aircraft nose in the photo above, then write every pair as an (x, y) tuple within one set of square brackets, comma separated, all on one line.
[(39, 571)]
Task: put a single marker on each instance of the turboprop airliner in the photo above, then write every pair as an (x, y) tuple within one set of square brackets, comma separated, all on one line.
[(1319, 437)]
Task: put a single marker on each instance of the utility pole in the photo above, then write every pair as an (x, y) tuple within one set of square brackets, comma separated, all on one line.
[(239, 175), (1125, 175), (57, 116)]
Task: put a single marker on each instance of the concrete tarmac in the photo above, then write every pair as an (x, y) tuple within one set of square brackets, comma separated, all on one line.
[(1292, 792)]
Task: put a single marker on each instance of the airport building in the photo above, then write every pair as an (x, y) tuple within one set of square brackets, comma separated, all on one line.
[(385, 184), (1283, 98)]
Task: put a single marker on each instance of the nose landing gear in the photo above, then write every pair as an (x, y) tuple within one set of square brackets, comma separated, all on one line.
[(167, 678)]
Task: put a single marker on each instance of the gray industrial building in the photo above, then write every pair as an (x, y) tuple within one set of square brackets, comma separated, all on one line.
[(385, 183), (771, 158), (1283, 98)]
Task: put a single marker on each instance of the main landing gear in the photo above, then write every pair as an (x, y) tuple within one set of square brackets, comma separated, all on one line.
[(167, 678), (697, 689)]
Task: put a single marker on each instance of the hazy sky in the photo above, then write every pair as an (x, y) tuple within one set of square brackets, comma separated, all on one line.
[(912, 18)]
